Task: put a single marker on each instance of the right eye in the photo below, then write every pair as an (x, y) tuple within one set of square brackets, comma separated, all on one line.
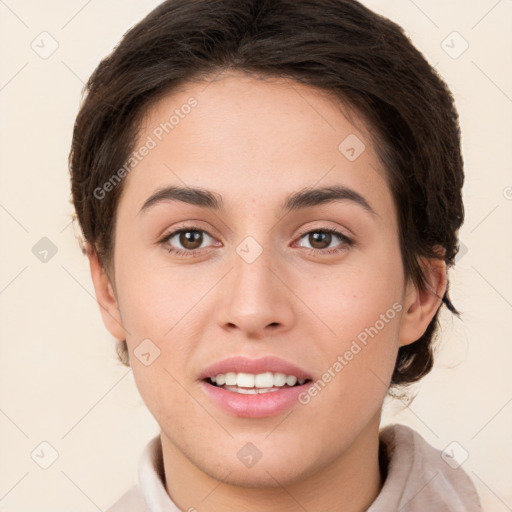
[(190, 238)]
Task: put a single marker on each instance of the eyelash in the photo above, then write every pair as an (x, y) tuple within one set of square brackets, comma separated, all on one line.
[(191, 253)]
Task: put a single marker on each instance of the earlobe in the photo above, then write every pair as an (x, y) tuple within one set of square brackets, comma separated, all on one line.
[(105, 295), (420, 305)]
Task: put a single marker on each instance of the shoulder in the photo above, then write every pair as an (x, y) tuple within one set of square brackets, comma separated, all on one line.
[(420, 477), (149, 495), (131, 501)]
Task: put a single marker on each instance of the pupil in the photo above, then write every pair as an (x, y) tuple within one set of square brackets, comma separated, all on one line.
[(318, 236), (189, 238)]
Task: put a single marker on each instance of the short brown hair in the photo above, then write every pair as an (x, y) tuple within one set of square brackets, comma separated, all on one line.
[(338, 46)]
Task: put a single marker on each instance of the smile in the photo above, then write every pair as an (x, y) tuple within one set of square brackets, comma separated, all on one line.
[(248, 383)]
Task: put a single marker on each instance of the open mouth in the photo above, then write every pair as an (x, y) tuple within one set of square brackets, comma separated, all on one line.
[(254, 388), (254, 384)]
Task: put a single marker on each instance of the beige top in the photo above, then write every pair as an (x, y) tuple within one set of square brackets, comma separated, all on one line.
[(418, 479)]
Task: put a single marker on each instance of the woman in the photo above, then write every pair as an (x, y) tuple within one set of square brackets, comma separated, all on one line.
[(270, 196)]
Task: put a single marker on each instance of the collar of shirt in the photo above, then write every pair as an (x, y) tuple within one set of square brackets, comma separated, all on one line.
[(420, 478)]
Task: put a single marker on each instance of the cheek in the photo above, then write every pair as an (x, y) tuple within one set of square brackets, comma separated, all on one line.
[(357, 366), (158, 309), (352, 296), (156, 299), (360, 308)]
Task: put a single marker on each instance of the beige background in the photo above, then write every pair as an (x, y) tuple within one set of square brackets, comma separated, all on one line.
[(60, 382)]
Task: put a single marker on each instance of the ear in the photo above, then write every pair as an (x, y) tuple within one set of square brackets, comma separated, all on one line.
[(105, 296), (420, 306)]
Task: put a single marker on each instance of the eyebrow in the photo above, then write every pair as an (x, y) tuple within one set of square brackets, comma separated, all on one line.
[(305, 198)]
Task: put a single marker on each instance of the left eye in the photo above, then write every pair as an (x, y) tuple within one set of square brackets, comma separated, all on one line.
[(321, 239)]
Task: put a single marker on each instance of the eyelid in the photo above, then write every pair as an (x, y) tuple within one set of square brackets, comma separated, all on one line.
[(192, 225), (326, 227)]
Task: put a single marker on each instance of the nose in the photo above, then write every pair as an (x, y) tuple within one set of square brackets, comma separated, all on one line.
[(256, 297)]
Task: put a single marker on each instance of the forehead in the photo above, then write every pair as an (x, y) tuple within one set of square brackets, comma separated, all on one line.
[(254, 140)]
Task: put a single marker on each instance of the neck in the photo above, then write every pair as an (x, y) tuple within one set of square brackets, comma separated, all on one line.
[(351, 482)]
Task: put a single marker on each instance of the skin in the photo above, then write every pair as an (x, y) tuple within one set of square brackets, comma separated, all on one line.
[(254, 141)]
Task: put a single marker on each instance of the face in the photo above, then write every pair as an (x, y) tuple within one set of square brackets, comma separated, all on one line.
[(311, 288)]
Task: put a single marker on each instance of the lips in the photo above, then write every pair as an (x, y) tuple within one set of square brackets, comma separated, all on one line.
[(254, 402)]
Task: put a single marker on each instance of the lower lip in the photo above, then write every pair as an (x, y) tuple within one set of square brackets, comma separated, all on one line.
[(254, 406)]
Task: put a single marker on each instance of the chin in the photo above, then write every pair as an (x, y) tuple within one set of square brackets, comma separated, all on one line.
[(269, 474), (264, 463)]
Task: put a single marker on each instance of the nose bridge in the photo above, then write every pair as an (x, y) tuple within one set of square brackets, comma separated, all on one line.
[(255, 297), (252, 272)]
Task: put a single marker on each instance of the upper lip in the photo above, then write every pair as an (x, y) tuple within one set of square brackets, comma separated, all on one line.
[(258, 365)]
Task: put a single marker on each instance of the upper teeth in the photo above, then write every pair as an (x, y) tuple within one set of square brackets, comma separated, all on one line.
[(261, 380)]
